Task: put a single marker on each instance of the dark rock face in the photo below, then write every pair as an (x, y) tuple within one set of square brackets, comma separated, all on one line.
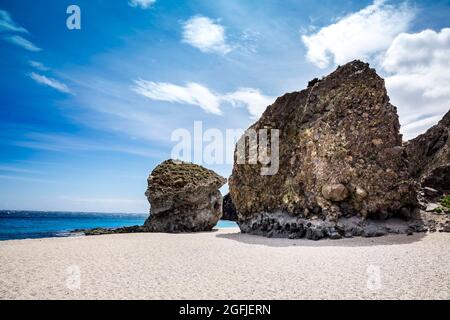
[(184, 197), (100, 231), (340, 156), (283, 225), (229, 210), (429, 156)]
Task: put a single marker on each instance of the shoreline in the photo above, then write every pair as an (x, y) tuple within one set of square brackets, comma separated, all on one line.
[(225, 264), (80, 233), (36, 225)]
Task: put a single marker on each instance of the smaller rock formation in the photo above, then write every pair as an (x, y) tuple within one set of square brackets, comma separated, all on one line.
[(184, 197), (429, 156), (229, 210)]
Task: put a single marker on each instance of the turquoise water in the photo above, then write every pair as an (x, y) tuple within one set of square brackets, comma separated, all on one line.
[(32, 224)]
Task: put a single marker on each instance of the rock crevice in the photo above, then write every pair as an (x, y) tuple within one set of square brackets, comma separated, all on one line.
[(429, 156)]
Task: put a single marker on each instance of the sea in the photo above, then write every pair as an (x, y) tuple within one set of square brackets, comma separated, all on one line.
[(42, 224)]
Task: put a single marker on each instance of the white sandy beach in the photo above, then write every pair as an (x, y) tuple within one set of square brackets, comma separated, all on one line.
[(225, 265)]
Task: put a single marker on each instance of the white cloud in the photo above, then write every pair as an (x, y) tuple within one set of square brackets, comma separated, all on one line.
[(192, 93), (205, 34), (252, 99), (23, 43), (414, 64), (419, 81), (144, 4), (358, 35), (38, 65), (201, 96), (8, 25), (53, 83)]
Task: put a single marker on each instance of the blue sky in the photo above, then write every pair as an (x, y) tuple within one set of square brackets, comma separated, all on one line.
[(86, 114)]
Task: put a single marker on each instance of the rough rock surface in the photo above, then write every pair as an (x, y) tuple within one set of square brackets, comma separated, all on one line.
[(340, 156), (184, 197), (229, 210), (283, 225), (429, 156)]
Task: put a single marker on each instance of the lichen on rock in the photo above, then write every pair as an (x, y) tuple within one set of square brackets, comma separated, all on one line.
[(184, 197), (340, 155)]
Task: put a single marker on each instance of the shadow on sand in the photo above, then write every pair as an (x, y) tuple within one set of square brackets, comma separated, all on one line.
[(391, 239)]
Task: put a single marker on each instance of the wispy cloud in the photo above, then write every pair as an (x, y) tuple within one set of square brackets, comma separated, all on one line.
[(206, 35), (109, 105), (358, 35), (22, 178), (17, 169), (416, 127), (252, 99), (53, 83), (8, 172), (38, 65), (198, 95), (192, 93), (23, 43), (7, 24), (65, 143), (9, 28), (144, 4)]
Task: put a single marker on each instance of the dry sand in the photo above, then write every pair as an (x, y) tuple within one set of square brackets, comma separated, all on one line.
[(225, 265)]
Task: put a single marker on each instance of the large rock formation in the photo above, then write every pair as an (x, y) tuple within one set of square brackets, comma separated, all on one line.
[(340, 161), (429, 156), (184, 197)]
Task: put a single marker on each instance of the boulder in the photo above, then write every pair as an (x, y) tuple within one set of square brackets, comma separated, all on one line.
[(184, 197), (335, 192), (429, 156), (340, 155), (229, 210)]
